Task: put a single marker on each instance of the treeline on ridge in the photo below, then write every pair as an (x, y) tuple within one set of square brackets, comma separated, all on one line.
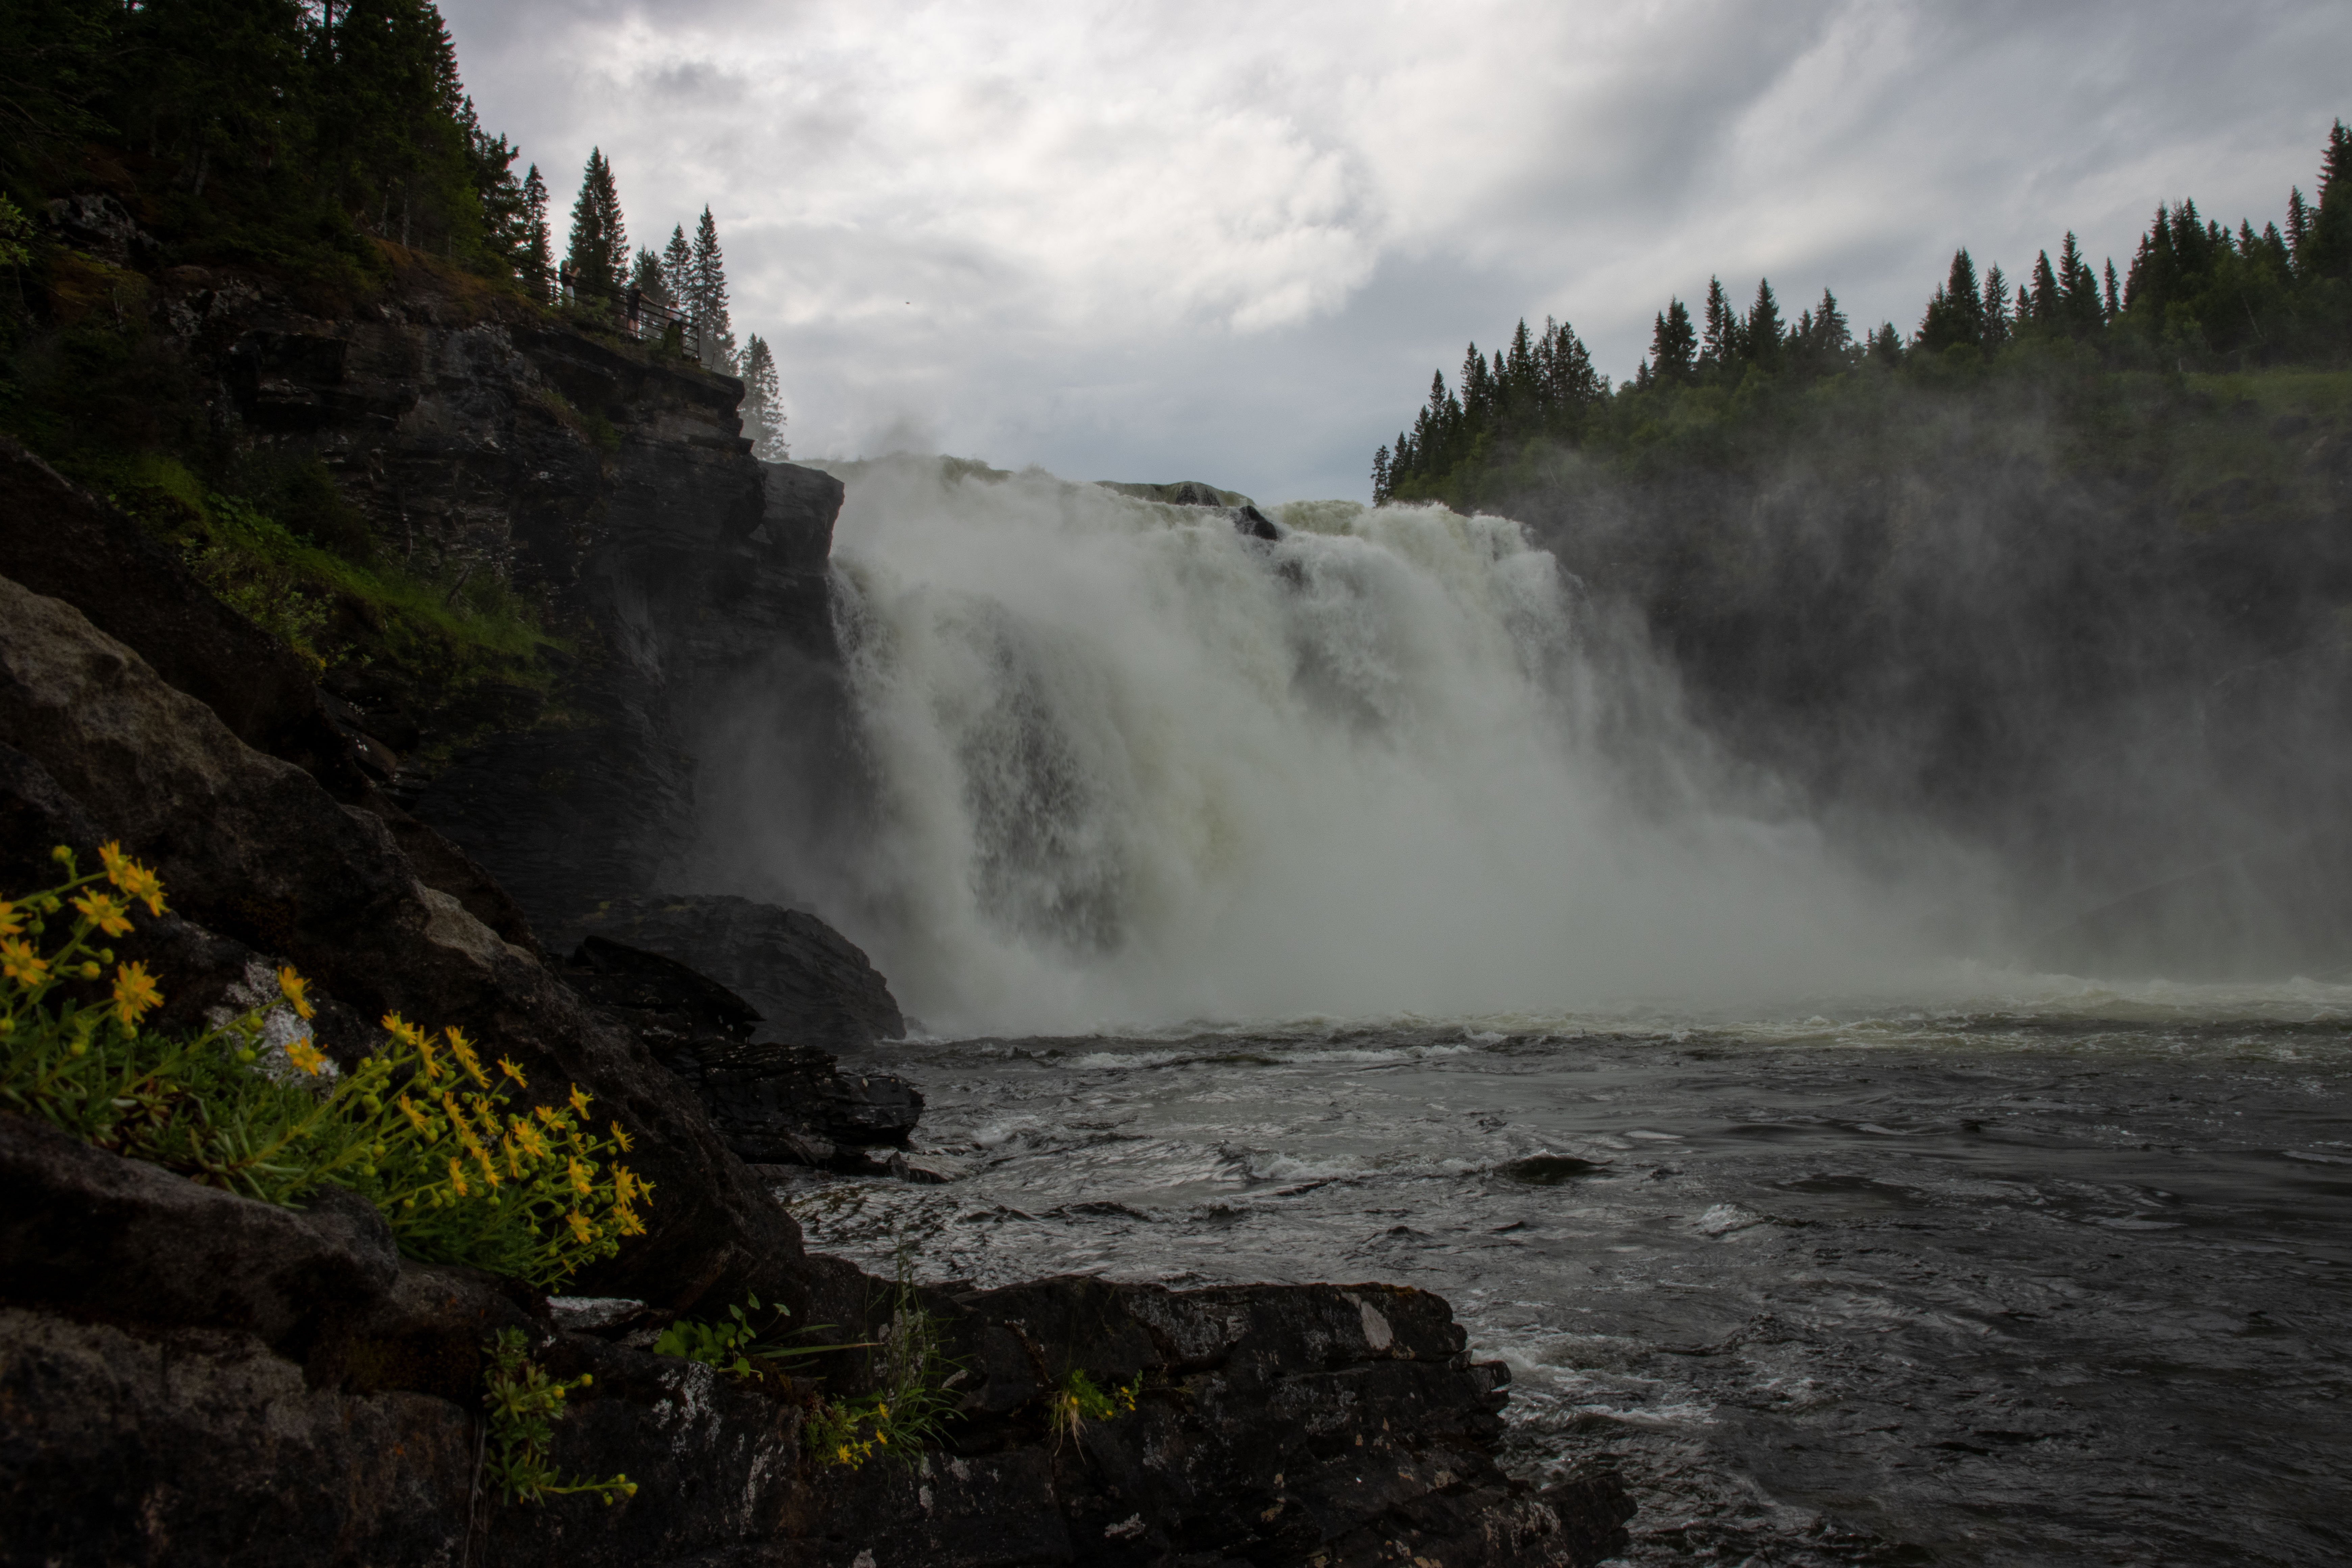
[(2198, 296), (306, 139)]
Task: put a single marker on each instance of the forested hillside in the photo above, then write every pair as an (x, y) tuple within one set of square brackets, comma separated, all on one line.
[(2065, 571), (210, 209)]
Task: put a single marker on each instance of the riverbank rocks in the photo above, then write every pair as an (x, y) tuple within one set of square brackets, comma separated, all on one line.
[(775, 1103), (809, 983), (195, 1377)]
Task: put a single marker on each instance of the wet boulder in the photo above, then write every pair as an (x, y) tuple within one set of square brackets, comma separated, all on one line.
[(809, 983), (775, 1103)]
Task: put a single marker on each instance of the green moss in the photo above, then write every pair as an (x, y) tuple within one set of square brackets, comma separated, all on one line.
[(447, 632)]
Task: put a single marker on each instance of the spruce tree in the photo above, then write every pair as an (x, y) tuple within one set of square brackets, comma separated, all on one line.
[(707, 280), (1674, 344), (2111, 303), (678, 268), (2045, 291), (1720, 345), (763, 403), (2078, 286), (646, 278), (539, 250), (2327, 249), (1764, 338), (598, 260), (1995, 311), (1381, 475)]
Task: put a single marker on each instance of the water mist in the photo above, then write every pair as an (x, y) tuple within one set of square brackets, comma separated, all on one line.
[(1124, 766)]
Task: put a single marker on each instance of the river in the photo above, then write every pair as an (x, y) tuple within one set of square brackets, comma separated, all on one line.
[(2057, 1278)]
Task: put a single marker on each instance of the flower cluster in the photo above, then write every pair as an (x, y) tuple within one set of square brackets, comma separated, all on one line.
[(463, 1171), (529, 1186)]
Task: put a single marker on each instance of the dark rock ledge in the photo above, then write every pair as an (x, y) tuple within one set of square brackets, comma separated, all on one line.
[(187, 1377)]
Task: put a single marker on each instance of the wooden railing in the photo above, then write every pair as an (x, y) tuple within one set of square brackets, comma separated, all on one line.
[(638, 313)]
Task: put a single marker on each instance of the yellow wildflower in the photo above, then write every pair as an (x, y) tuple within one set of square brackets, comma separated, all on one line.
[(489, 1171), (624, 1187), (582, 1230), (415, 1117), (306, 1056), (104, 913), (291, 985), (580, 1099), (132, 877), (629, 1222), (463, 1049), (21, 964), (9, 924), (513, 1072), (545, 1113), (580, 1182), (457, 1177), (622, 1139), (514, 1159), (135, 993), (528, 1136)]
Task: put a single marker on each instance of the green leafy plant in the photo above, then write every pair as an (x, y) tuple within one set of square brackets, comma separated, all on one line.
[(1077, 1399), (15, 235), (735, 1346), (520, 1405), (911, 1406), (462, 1173)]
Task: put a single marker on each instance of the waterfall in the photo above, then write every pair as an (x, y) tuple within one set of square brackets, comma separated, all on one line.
[(1129, 766)]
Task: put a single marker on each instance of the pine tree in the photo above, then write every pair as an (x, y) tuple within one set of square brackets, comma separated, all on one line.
[(1995, 312), (714, 329), (763, 403), (2111, 303), (1381, 475), (598, 261), (2298, 223)]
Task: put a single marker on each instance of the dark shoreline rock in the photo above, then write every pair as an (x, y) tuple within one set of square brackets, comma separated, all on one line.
[(274, 1385), (775, 1103)]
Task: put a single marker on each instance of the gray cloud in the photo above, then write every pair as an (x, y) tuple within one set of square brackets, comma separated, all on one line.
[(1228, 241)]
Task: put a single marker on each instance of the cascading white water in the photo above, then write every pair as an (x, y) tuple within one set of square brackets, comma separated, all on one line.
[(1134, 768)]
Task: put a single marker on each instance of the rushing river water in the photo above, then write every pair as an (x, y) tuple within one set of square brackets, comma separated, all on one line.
[(2062, 1280)]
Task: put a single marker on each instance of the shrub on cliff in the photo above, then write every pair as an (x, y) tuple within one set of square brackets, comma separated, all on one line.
[(462, 1172)]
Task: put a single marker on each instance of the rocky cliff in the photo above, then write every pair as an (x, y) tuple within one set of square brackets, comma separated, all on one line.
[(189, 1376)]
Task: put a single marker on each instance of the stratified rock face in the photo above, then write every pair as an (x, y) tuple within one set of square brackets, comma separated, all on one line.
[(608, 482), (810, 985), (775, 1103)]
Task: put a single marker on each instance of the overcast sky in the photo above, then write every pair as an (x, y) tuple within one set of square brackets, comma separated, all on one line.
[(1160, 240)]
